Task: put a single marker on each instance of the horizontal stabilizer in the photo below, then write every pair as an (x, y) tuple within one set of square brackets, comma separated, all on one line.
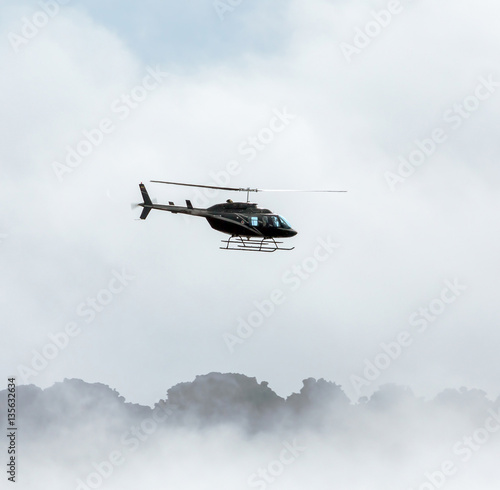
[(145, 213)]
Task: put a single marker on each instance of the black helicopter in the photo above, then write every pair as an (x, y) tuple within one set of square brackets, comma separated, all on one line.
[(251, 228)]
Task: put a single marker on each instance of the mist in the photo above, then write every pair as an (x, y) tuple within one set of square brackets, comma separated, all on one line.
[(230, 431)]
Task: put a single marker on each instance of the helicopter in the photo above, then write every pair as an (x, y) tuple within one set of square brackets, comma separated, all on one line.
[(250, 228)]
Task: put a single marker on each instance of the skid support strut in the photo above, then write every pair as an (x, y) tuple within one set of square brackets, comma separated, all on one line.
[(246, 244)]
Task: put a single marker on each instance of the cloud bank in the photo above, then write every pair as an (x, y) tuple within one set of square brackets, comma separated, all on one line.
[(229, 431)]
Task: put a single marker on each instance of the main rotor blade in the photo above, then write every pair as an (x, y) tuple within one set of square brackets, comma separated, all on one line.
[(206, 186), (242, 189), (296, 190)]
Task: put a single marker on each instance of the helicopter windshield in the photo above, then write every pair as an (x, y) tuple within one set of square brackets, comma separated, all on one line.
[(284, 223)]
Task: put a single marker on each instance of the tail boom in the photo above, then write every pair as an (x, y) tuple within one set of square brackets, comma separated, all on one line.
[(148, 205)]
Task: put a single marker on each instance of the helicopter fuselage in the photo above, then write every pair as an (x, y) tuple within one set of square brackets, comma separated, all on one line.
[(233, 218), (248, 220)]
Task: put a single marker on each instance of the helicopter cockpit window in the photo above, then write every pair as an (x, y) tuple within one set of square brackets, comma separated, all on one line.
[(284, 223), (269, 221)]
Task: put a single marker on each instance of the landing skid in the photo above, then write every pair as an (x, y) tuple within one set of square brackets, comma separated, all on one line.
[(245, 244)]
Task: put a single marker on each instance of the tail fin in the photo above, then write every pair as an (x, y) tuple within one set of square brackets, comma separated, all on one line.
[(145, 195), (147, 201)]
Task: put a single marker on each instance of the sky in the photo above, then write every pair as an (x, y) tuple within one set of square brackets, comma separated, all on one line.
[(395, 281)]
